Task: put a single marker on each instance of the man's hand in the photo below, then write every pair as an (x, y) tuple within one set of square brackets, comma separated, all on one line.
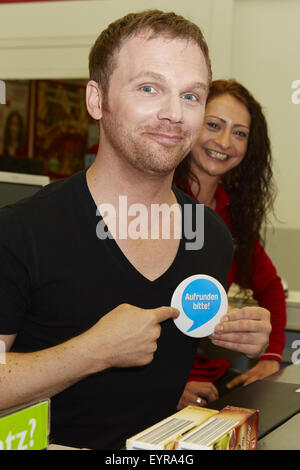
[(245, 330), (193, 390), (261, 370), (128, 335)]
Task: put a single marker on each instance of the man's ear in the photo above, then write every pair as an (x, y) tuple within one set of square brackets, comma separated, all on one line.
[(94, 100)]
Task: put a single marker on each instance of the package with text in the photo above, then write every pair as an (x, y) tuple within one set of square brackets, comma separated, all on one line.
[(166, 433)]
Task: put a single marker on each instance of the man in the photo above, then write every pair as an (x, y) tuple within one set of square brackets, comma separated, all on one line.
[(88, 317)]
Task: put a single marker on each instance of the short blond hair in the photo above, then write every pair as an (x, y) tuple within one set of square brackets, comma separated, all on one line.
[(156, 22)]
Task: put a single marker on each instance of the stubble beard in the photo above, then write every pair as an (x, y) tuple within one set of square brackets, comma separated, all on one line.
[(139, 150)]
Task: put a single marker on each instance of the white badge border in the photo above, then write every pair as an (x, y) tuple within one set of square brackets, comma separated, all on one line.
[(183, 322)]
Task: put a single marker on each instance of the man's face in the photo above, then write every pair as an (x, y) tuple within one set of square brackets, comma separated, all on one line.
[(155, 103)]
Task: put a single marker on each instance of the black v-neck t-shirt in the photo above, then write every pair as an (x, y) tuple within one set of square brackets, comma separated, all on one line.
[(57, 279)]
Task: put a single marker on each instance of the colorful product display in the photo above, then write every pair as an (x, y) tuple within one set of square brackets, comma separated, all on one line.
[(166, 434), (232, 428), (195, 428)]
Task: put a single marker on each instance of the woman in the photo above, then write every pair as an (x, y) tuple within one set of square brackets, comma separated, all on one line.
[(13, 136), (229, 170)]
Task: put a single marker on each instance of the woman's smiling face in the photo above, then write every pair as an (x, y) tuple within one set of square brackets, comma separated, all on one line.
[(223, 140)]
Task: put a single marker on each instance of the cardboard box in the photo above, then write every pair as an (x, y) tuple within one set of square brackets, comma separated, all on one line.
[(232, 428), (165, 434)]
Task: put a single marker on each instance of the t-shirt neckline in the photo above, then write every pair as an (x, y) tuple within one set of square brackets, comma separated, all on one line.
[(91, 208)]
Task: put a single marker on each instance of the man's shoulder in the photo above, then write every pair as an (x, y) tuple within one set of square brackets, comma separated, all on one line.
[(182, 197), (53, 195), (45, 211), (210, 215), (56, 190)]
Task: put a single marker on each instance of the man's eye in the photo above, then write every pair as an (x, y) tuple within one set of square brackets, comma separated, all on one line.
[(190, 97), (148, 89)]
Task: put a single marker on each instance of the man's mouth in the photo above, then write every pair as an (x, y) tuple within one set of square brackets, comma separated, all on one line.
[(165, 137), (217, 155)]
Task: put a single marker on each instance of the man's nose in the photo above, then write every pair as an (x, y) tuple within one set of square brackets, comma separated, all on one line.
[(171, 109)]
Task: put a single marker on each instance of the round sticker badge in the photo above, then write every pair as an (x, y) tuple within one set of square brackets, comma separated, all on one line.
[(201, 301)]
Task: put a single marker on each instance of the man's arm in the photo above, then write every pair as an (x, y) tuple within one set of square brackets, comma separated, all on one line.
[(125, 337), (26, 377)]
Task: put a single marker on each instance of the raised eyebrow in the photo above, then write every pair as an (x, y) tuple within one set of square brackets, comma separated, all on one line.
[(201, 85), (241, 125), (146, 74), (158, 76), (224, 121)]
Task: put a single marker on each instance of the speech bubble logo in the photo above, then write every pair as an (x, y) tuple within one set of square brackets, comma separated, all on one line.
[(201, 300)]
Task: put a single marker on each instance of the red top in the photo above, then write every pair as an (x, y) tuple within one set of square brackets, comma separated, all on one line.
[(267, 291)]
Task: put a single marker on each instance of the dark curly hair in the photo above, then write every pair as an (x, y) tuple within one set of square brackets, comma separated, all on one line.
[(250, 185)]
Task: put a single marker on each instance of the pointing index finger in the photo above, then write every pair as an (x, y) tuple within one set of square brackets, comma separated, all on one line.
[(164, 313)]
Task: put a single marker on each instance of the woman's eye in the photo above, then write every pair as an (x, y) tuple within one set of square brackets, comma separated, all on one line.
[(212, 125), (241, 134)]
